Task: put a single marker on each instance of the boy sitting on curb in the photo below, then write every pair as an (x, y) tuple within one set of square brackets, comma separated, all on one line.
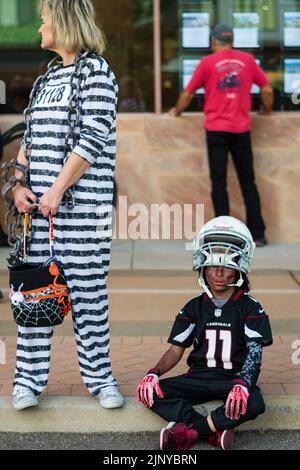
[(228, 330)]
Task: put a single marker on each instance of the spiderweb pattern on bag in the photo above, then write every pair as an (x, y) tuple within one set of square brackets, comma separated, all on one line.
[(45, 300), (34, 313), (40, 307)]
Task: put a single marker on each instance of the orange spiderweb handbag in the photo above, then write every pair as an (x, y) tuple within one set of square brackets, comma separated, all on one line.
[(38, 293)]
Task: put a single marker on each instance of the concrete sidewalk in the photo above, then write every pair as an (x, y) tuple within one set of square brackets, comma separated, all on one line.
[(149, 283), (177, 254)]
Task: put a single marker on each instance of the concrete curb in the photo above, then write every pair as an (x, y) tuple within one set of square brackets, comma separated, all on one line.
[(85, 415)]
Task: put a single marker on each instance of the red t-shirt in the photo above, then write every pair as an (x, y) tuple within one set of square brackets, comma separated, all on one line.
[(227, 77)]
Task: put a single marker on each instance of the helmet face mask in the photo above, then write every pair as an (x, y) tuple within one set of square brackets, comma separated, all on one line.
[(218, 256), (234, 240), (225, 255), (226, 242)]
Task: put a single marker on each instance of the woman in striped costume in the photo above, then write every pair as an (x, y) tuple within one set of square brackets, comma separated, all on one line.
[(70, 146)]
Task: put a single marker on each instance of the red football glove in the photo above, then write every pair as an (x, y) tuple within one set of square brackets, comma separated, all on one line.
[(236, 403), (145, 389)]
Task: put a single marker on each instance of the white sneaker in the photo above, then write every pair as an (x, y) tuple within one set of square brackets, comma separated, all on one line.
[(23, 398), (110, 397)]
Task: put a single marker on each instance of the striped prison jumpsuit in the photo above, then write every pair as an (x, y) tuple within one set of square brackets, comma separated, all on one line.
[(82, 236)]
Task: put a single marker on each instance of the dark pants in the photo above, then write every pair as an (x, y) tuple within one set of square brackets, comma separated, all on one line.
[(184, 391), (239, 144)]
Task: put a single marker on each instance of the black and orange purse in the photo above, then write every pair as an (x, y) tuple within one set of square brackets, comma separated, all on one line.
[(38, 293)]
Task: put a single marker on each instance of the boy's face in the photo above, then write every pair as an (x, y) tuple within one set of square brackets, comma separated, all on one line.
[(218, 279)]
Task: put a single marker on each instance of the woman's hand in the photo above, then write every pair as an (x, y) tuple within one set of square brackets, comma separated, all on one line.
[(24, 199), (50, 201)]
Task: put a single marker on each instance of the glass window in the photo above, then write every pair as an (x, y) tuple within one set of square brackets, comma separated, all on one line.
[(18, 22), (268, 29), (8, 13), (128, 26), (20, 53)]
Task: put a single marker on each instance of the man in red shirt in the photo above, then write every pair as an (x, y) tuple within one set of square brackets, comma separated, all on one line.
[(227, 76)]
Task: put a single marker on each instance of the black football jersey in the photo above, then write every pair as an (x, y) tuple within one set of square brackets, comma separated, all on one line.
[(219, 335)]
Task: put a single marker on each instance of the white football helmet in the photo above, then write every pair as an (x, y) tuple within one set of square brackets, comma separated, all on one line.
[(223, 241)]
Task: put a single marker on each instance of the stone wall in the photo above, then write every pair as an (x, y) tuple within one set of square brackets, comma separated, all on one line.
[(164, 160)]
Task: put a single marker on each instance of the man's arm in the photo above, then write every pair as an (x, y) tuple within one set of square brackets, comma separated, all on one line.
[(196, 82), (267, 96), (183, 102)]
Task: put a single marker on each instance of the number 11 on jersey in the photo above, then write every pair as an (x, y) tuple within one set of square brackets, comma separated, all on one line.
[(225, 337)]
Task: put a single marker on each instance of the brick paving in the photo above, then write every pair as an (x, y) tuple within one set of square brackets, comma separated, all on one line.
[(132, 356)]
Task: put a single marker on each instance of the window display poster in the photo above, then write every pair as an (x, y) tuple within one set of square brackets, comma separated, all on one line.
[(291, 29), (195, 30), (188, 68), (255, 90), (291, 75), (246, 30)]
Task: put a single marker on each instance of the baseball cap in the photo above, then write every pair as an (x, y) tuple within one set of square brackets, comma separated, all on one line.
[(223, 33)]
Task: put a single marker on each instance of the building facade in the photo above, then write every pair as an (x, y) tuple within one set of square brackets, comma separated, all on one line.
[(153, 47), (269, 29)]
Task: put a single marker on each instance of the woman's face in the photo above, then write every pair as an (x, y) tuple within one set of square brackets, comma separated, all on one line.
[(218, 278), (46, 32)]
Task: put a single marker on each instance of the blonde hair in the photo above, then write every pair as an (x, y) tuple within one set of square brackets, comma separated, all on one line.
[(74, 25)]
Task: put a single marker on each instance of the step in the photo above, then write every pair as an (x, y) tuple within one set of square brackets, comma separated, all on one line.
[(85, 415)]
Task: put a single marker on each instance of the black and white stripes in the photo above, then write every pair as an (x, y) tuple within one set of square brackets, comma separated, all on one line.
[(82, 235), (95, 139), (82, 245)]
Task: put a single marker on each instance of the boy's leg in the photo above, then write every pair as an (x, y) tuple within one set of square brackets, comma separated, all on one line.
[(180, 394), (255, 407)]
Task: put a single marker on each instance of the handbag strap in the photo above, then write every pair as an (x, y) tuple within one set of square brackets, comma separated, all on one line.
[(25, 237), (51, 236)]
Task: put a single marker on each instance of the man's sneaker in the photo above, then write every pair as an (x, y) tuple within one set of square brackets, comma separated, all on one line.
[(110, 397), (222, 439), (260, 242), (177, 436), (23, 398)]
